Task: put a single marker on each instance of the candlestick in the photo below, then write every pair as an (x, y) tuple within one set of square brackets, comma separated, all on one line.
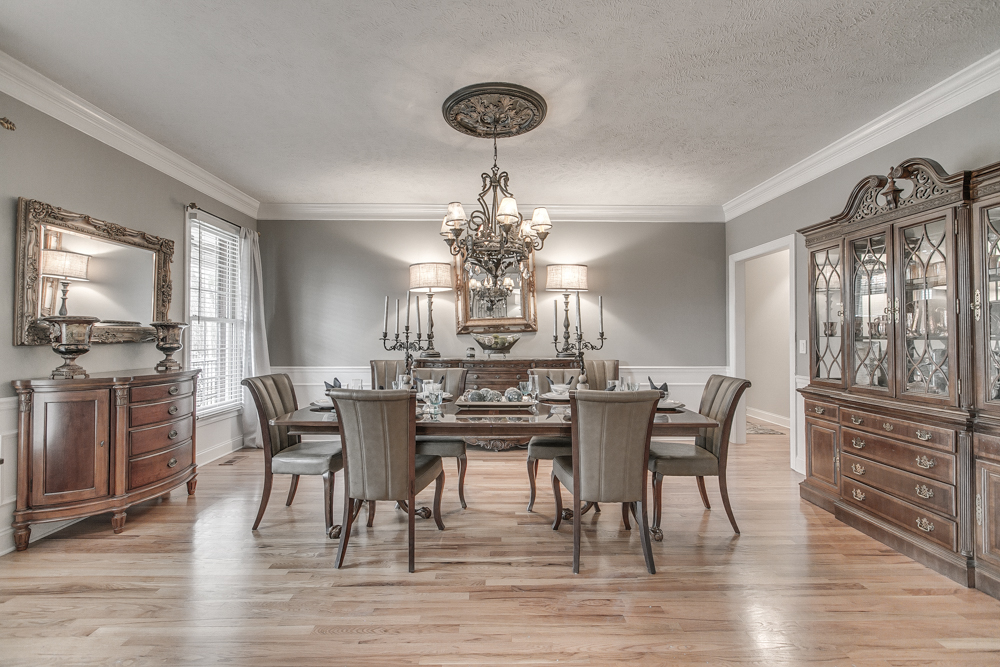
[(418, 316), (555, 318), (600, 310), (385, 320), (579, 327), (397, 318), (407, 310)]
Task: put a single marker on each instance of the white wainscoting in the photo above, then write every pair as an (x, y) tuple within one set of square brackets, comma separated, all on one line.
[(686, 382), (218, 436)]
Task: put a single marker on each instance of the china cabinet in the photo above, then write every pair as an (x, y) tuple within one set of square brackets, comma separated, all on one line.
[(905, 366), (102, 444)]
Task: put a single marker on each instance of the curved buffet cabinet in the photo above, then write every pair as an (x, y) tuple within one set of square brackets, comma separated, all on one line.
[(101, 444), (902, 412)]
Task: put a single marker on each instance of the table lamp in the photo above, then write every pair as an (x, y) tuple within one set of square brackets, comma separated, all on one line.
[(564, 278), (433, 277), (64, 266)]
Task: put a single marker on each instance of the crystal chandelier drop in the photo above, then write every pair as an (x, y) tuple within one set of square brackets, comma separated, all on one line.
[(496, 238)]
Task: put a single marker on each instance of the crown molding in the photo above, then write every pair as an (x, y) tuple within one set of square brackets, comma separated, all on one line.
[(25, 84), (969, 85), (435, 212)]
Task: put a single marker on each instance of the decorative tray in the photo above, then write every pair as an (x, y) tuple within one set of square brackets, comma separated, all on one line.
[(493, 405)]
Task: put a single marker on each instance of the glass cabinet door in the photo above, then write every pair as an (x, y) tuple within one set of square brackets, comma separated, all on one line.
[(924, 316), (827, 315), (989, 306), (871, 324)]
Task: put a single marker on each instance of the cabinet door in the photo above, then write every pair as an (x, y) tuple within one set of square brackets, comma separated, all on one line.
[(71, 443), (821, 454), (925, 314), (986, 303), (988, 512), (826, 307), (870, 326)]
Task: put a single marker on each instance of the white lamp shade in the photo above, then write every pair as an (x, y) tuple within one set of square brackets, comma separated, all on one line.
[(64, 264), (430, 277), (446, 227), (527, 230), (507, 211), (456, 214), (566, 278), (540, 220)]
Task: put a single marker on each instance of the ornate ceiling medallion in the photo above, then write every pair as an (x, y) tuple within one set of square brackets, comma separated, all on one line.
[(486, 110)]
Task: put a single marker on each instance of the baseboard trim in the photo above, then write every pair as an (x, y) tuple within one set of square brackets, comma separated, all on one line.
[(38, 531), (214, 452), (769, 417)]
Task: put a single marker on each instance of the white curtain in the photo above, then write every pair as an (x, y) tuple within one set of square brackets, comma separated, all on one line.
[(255, 358)]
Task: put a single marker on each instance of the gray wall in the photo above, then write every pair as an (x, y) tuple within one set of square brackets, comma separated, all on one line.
[(766, 317), (663, 287), (47, 160), (966, 139)]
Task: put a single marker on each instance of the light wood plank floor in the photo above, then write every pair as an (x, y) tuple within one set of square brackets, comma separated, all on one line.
[(187, 583)]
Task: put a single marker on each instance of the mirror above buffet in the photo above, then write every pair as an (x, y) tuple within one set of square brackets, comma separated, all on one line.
[(71, 263)]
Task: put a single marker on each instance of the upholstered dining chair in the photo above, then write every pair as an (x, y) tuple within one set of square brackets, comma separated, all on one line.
[(542, 447), (443, 445), (385, 372), (285, 454), (709, 454), (378, 433), (611, 433)]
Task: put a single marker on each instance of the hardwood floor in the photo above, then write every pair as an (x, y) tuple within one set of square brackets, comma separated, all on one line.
[(187, 583)]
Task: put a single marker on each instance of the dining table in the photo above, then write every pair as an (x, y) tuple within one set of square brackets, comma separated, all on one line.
[(551, 418)]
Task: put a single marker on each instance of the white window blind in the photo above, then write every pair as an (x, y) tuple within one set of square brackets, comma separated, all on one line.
[(217, 327)]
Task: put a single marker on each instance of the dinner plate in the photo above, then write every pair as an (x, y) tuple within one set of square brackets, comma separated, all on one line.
[(669, 405), (553, 396), (444, 395)]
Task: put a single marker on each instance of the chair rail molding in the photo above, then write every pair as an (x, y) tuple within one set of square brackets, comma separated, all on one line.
[(959, 90), (433, 212), (38, 91)]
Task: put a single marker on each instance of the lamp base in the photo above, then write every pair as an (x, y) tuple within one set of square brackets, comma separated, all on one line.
[(430, 354)]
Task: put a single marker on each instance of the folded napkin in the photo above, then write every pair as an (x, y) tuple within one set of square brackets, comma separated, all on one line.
[(652, 385), (336, 384)]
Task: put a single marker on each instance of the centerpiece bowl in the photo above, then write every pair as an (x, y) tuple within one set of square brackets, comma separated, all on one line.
[(496, 343)]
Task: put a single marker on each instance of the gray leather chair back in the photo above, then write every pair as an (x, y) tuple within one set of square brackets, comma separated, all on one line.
[(611, 432), (274, 396), (558, 375), (377, 432), (385, 371), (599, 371), (454, 378), (718, 401)]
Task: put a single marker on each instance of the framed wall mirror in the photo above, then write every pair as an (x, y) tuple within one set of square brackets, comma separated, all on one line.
[(102, 269), (484, 305)]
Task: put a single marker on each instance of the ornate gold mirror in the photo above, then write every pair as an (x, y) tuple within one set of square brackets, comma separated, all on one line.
[(484, 305), (70, 261)]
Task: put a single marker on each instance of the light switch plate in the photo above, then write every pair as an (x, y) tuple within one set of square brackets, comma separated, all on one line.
[(802, 347)]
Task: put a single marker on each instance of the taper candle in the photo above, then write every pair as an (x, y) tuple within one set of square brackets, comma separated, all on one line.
[(600, 311), (407, 309), (418, 315), (579, 327), (385, 320), (397, 318)]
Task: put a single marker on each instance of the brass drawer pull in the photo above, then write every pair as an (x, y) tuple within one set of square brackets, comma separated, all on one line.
[(819, 409), (173, 391), (172, 462), (925, 525), (924, 492), (924, 435), (887, 426), (856, 420), (857, 443), (172, 410), (925, 463), (172, 434), (858, 469), (859, 495), (475, 377)]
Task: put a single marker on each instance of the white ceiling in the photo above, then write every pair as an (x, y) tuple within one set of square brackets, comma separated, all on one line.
[(649, 103)]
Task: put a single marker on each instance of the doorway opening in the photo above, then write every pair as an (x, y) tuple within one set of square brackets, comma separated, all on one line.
[(761, 337)]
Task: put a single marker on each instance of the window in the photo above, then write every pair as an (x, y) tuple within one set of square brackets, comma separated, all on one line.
[(217, 329)]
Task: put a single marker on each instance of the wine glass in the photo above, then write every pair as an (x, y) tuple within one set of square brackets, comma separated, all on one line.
[(357, 383), (434, 398)]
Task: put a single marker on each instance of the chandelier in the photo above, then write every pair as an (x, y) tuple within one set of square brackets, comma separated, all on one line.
[(496, 238)]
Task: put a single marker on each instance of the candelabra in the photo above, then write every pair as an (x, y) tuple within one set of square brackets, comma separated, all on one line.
[(405, 345)]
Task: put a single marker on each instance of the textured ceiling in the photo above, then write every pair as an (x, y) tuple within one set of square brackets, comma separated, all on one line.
[(649, 102)]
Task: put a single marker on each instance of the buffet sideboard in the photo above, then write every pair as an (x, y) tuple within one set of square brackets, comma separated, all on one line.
[(100, 444)]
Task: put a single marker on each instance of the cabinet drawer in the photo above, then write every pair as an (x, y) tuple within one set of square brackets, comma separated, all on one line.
[(820, 410), (155, 467), (986, 447), (161, 392), (924, 462), (914, 519), (144, 440), (917, 490), (922, 434), (152, 413)]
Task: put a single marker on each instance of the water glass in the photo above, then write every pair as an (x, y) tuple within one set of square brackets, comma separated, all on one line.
[(632, 386), (357, 383), (614, 385), (533, 387), (434, 398)]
